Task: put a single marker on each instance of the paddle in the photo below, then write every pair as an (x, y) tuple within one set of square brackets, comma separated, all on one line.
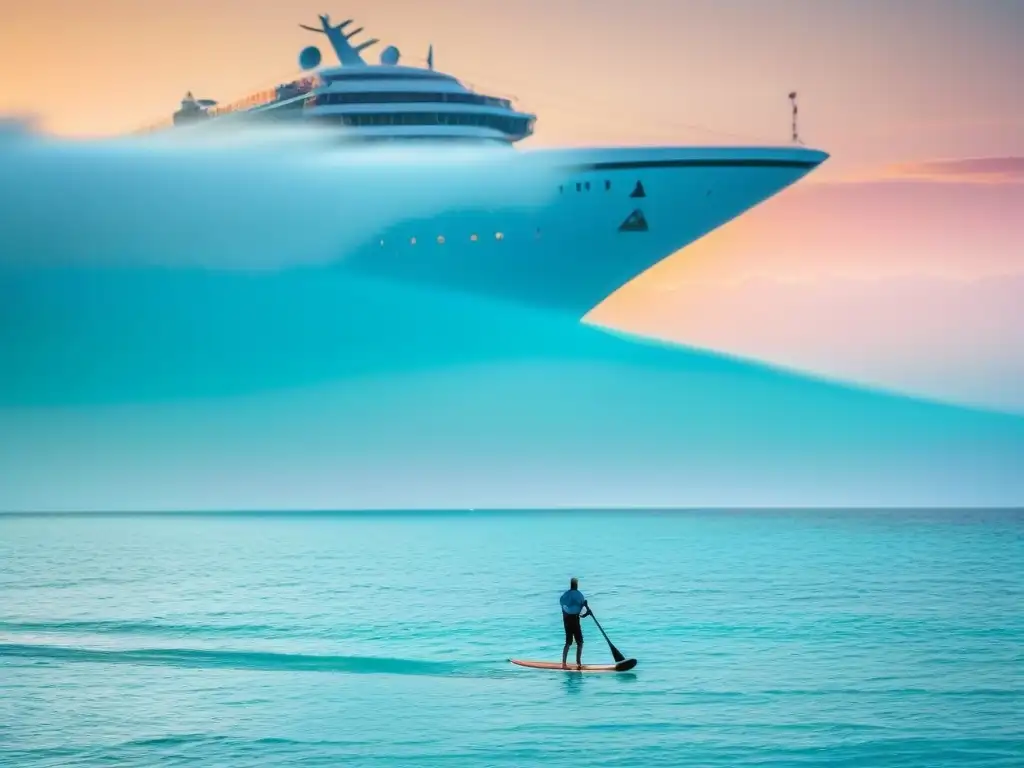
[(616, 654)]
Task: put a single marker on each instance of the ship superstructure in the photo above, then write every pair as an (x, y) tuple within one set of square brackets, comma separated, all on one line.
[(387, 100)]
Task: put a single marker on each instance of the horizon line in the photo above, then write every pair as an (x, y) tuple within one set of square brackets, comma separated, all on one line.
[(570, 509)]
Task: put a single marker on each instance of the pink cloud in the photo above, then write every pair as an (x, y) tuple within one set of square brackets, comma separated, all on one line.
[(976, 170)]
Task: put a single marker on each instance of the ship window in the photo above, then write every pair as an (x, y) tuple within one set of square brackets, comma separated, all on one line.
[(561, 189), (412, 241), (473, 237), (411, 97), (607, 185), (495, 122), (587, 185), (382, 243), (499, 236), (440, 239), (579, 186)]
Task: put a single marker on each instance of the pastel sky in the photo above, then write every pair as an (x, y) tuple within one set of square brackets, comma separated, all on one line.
[(880, 82), (898, 262)]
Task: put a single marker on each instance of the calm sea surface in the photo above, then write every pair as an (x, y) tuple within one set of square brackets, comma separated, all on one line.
[(767, 638)]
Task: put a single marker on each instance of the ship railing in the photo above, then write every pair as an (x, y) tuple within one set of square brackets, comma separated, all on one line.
[(511, 101), (297, 88)]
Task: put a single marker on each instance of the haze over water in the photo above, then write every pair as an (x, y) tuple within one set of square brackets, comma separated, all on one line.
[(180, 332)]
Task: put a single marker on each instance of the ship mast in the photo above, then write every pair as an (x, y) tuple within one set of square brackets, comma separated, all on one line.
[(347, 53), (796, 133)]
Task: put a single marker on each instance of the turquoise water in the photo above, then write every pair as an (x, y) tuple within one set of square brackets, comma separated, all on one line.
[(763, 638)]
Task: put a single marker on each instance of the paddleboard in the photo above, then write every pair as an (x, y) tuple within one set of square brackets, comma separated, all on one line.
[(622, 666)]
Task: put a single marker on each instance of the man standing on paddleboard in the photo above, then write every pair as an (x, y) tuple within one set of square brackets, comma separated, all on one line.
[(573, 604)]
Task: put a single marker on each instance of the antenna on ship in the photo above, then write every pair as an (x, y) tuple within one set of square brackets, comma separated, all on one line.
[(796, 133), (430, 57), (347, 53)]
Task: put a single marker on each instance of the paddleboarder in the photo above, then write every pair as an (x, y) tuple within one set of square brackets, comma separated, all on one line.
[(574, 607)]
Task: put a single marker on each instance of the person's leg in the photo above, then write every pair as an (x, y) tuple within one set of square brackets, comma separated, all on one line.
[(568, 638), (578, 635)]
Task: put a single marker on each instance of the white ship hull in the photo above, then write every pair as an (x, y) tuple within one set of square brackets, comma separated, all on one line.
[(572, 251)]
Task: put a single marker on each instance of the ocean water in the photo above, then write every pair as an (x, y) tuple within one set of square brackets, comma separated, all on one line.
[(769, 638)]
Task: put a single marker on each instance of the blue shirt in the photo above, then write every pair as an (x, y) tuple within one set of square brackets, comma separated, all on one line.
[(572, 601)]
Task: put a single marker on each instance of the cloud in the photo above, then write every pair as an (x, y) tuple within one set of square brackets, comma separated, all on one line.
[(976, 170)]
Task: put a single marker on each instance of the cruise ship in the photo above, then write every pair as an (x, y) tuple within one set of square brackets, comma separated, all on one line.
[(608, 214)]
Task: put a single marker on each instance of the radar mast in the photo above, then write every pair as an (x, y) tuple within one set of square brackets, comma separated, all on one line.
[(348, 54), (796, 133)]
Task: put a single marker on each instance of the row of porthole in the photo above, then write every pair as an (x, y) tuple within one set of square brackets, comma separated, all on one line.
[(441, 238), (580, 186)]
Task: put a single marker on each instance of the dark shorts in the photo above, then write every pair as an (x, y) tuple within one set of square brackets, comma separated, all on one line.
[(573, 630)]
